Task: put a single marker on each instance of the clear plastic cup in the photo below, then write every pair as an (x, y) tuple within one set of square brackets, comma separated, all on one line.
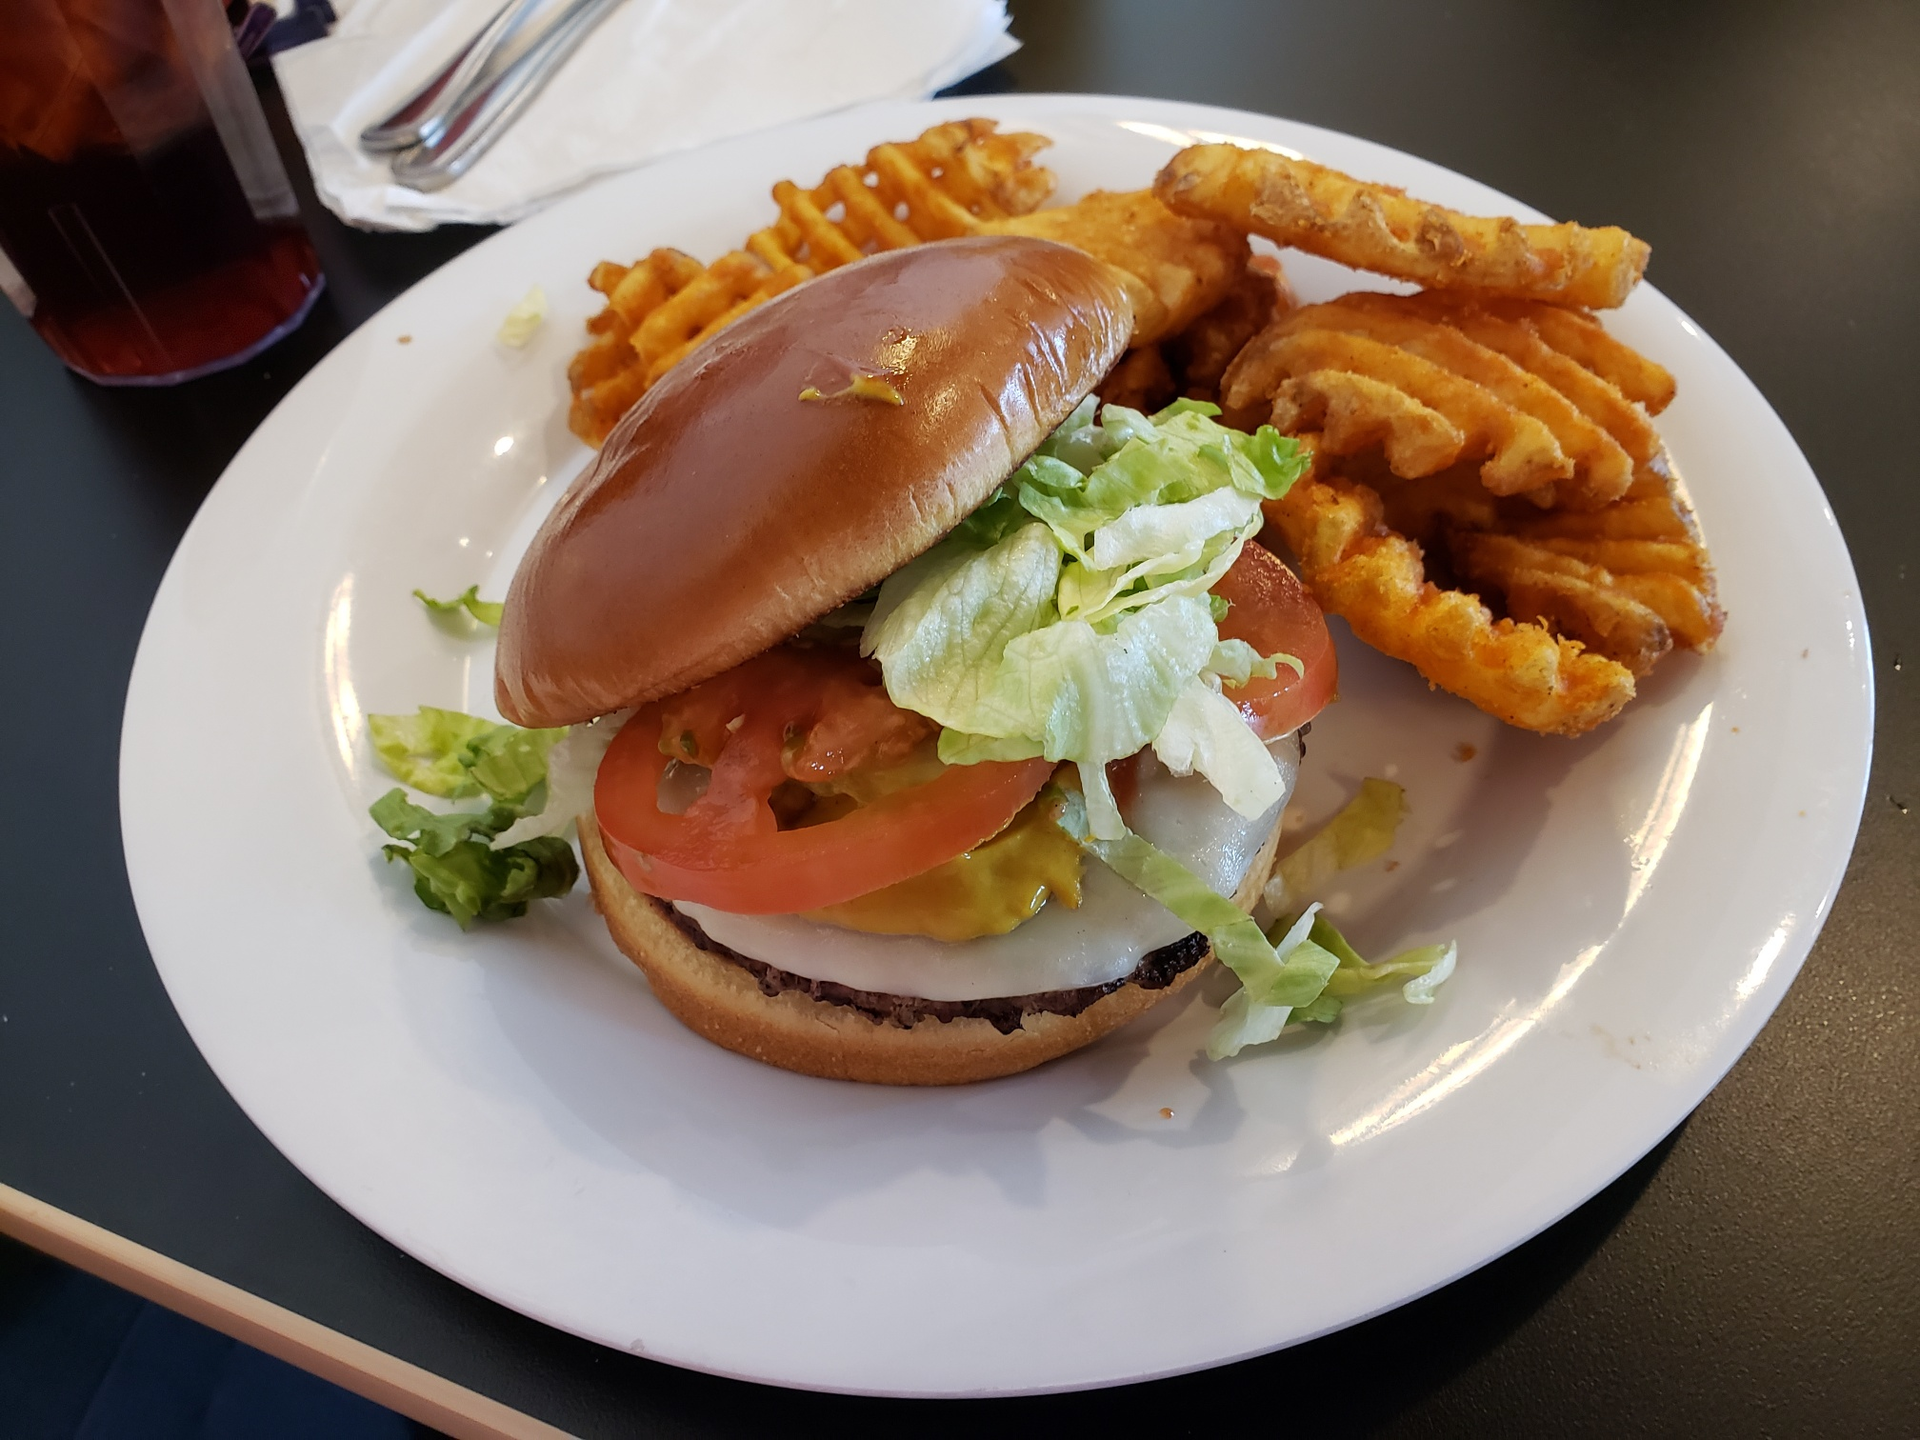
[(147, 229)]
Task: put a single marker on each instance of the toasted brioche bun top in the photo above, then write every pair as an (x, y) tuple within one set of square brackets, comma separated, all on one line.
[(725, 512)]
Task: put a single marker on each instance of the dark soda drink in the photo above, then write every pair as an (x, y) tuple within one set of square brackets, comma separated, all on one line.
[(147, 230)]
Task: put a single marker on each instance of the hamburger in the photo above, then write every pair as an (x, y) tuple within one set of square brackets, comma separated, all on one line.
[(931, 720)]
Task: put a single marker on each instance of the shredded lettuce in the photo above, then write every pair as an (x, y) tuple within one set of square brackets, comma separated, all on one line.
[(1235, 662), (1093, 697), (455, 870), (1235, 937), (1310, 945), (1424, 969), (466, 864), (1255, 1014), (572, 764), (959, 748), (1143, 506), (425, 750), (1104, 820), (1362, 831), (1095, 434), (454, 755), (1070, 616), (487, 612), (1321, 974), (1205, 732), (1303, 969), (1169, 537), (942, 625)]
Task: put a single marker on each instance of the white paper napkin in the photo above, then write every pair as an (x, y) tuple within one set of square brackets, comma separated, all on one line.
[(655, 76)]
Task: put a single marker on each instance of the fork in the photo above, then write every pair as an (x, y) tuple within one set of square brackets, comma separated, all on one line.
[(423, 115), (491, 103)]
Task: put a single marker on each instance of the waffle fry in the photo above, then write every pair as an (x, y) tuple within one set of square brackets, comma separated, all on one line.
[(1649, 544), (1142, 381), (1619, 587), (1436, 379), (955, 179), (1646, 542), (1200, 354), (1376, 580), (1562, 593), (1601, 469), (657, 310), (1352, 412), (1542, 609), (1521, 452), (1379, 228), (1583, 340), (1606, 381), (1192, 362), (1175, 269)]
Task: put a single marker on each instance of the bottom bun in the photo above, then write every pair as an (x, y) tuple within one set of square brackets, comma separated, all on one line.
[(723, 1001)]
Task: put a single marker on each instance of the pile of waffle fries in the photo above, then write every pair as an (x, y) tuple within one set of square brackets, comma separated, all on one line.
[(1489, 499), (953, 180)]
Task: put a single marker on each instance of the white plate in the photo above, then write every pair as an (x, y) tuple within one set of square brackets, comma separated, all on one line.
[(512, 1107)]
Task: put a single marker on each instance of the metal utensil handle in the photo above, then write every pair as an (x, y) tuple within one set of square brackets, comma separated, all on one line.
[(470, 132), (423, 115)]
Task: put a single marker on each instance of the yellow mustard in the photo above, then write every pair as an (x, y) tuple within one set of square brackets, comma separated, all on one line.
[(990, 890)]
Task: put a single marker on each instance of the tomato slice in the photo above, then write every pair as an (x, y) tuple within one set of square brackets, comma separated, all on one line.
[(790, 714), (1272, 611)]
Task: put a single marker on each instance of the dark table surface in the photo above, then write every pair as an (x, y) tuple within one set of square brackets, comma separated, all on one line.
[(1755, 1274)]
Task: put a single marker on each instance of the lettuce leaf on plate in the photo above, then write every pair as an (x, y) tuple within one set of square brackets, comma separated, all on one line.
[(464, 863), (1322, 972), (508, 762), (1362, 831), (453, 755), (1257, 1013), (1301, 970), (1423, 969), (487, 612), (1310, 943), (425, 749), (455, 870)]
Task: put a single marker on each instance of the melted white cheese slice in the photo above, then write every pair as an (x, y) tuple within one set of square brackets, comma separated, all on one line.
[(1059, 949)]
